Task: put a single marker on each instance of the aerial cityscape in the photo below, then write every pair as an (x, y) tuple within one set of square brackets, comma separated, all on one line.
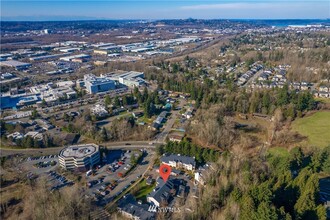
[(155, 110)]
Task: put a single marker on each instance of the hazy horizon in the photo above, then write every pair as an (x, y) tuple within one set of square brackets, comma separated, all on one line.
[(47, 10)]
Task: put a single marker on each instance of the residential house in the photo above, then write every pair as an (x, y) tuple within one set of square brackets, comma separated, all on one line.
[(34, 135), (178, 161), (324, 89), (176, 136), (137, 114), (162, 193), (15, 136), (131, 209)]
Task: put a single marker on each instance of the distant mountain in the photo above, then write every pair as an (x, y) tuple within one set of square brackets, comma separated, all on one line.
[(287, 22)]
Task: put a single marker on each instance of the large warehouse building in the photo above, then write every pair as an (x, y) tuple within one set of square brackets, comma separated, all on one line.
[(81, 157), (130, 79), (95, 84), (16, 64)]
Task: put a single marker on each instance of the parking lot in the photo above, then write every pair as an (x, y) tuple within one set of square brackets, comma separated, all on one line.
[(107, 183), (57, 181), (40, 164)]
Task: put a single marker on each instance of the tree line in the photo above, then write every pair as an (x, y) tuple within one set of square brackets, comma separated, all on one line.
[(280, 187), (186, 148)]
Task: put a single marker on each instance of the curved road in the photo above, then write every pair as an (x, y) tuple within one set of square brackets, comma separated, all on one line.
[(56, 150)]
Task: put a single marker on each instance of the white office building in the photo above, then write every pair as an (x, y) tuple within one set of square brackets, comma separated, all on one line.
[(96, 84), (82, 157), (130, 79)]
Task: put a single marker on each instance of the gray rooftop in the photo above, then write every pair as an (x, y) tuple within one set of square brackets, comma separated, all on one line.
[(178, 158), (79, 151), (129, 205), (13, 63), (162, 189)]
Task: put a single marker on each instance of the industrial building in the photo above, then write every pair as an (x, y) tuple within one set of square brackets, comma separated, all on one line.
[(82, 157), (16, 64), (130, 79), (108, 50), (96, 84), (68, 49), (28, 100), (51, 93), (48, 57), (75, 57), (4, 56), (98, 45)]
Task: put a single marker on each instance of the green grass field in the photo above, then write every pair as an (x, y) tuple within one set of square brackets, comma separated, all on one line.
[(144, 190), (323, 100), (278, 152), (316, 127)]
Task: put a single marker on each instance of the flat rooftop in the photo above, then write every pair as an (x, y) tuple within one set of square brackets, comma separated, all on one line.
[(128, 75), (79, 151), (13, 63), (95, 80)]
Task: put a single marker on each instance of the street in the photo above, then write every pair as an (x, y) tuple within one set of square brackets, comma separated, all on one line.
[(175, 114)]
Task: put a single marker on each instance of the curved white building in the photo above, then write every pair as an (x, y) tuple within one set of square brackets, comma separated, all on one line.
[(80, 157)]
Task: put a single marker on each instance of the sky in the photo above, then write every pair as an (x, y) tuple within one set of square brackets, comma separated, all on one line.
[(160, 9)]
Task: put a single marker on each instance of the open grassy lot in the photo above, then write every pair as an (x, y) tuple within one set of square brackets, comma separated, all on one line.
[(316, 127), (142, 190), (323, 100), (278, 152)]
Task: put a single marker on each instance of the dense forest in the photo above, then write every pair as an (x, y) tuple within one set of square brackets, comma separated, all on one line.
[(271, 187), (207, 92)]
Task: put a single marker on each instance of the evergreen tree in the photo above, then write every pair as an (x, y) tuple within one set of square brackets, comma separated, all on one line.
[(296, 158), (247, 208), (117, 102), (133, 159), (283, 97), (305, 207), (103, 135), (266, 212), (107, 100), (321, 212), (34, 114)]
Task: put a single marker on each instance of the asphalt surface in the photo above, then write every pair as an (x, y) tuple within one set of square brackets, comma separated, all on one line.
[(253, 78), (56, 150), (134, 175), (29, 165), (160, 138)]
